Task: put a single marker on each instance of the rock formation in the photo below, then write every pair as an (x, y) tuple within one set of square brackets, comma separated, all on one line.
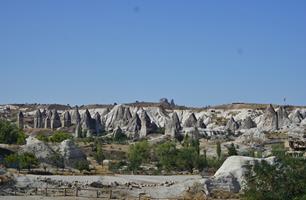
[(191, 121), (47, 119), (88, 125), (283, 119), (134, 125), (20, 120), (269, 120), (120, 115), (38, 121), (66, 119), (248, 123), (200, 123), (296, 117), (78, 131), (232, 125), (173, 126), (71, 153), (99, 128), (146, 125), (75, 116), (55, 120)]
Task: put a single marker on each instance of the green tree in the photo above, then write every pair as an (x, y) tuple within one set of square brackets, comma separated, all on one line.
[(27, 161), (187, 158), (138, 153), (82, 165), (98, 155), (10, 133), (166, 154), (219, 150), (12, 161), (42, 137), (232, 150)]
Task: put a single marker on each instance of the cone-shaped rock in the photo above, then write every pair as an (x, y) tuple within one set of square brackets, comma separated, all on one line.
[(173, 125), (269, 120), (75, 116), (98, 123), (66, 119), (232, 125), (55, 120), (47, 120), (296, 117), (200, 123), (191, 121), (20, 120), (248, 123), (283, 119), (87, 122), (134, 125), (38, 121), (120, 115), (146, 125), (78, 131)]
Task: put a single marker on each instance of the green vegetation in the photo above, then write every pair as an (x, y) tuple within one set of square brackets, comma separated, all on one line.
[(57, 137), (10, 133), (98, 155), (138, 153), (82, 165), (284, 180), (232, 150), (21, 161), (218, 150)]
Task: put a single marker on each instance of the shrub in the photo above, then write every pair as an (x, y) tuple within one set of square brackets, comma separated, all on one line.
[(42, 137), (10, 133), (82, 165), (21, 161), (232, 150), (59, 136), (138, 153)]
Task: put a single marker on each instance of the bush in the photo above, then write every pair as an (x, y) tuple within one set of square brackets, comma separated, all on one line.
[(59, 136), (82, 165), (232, 150), (138, 153), (166, 155), (42, 137), (21, 161), (98, 155), (10, 133)]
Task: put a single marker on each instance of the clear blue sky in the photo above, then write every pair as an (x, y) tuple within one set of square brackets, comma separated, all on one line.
[(197, 52)]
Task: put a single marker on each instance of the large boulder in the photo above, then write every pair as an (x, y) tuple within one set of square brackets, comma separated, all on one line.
[(38, 120), (232, 125), (269, 120), (173, 125), (283, 119), (71, 153), (191, 121), (248, 123), (231, 176)]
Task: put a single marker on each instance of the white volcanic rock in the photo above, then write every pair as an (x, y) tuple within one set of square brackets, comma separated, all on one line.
[(38, 119), (120, 115), (75, 116), (40, 149), (283, 119), (248, 123), (71, 153), (191, 121), (296, 117), (173, 126), (269, 120), (232, 174), (232, 125)]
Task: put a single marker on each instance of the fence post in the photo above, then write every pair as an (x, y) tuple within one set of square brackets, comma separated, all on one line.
[(36, 191), (76, 192), (65, 192), (97, 193), (46, 191), (110, 194)]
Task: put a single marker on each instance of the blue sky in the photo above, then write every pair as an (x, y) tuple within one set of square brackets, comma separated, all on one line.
[(197, 52)]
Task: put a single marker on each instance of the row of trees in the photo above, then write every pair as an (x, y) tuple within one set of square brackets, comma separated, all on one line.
[(56, 137), (21, 161)]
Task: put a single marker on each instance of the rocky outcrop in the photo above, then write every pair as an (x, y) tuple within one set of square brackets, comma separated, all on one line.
[(191, 121), (296, 117), (55, 120), (20, 120), (66, 119), (269, 120), (75, 116), (38, 120), (146, 125), (99, 127), (120, 115), (283, 119), (47, 119), (248, 123), (200, 123), (134, 125), (231, 176), (173, 126), (232, 125), (78, 131), (88, 124), (71, 153)]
